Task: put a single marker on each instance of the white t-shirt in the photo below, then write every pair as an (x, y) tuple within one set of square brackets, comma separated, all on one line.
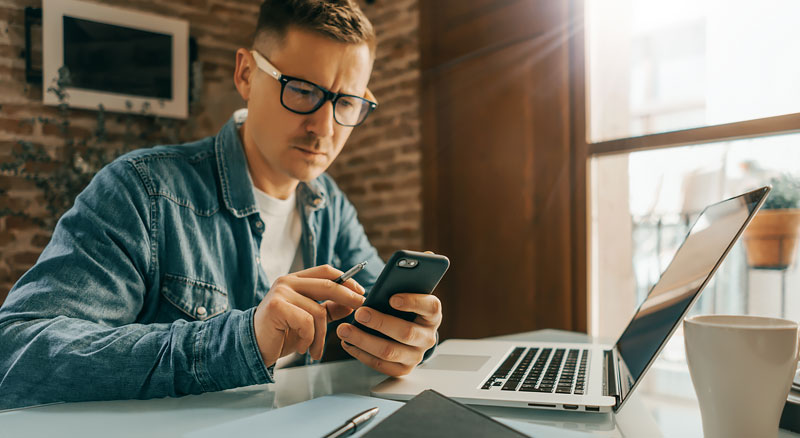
[(280, 242)]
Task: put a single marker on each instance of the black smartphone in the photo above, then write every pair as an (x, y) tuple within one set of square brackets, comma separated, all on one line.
[(405, 272)]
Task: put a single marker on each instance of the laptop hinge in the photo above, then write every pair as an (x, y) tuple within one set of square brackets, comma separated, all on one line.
[(610, 377)]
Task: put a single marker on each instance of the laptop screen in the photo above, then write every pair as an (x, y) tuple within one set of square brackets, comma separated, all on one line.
[(709, 240)]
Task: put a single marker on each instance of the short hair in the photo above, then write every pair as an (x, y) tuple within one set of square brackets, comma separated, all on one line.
[(340, 20)]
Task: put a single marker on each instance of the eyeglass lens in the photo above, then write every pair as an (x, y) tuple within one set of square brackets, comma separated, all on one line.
[(304, 97)]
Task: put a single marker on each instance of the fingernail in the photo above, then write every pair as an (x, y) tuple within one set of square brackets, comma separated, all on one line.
[(363, 315), (344, 331), (361, 288), (398, 302)]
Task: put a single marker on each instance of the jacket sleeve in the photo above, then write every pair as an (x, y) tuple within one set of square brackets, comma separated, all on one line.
[(352, 245), (68, 330)]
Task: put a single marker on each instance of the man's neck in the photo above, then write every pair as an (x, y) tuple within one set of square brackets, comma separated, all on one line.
[(265, 178)]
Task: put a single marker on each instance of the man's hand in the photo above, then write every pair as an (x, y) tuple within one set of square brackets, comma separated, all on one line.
[(289, 319), (411, 339)]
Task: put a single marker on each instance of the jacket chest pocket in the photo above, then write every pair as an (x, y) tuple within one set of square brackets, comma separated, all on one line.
[(199, 300)]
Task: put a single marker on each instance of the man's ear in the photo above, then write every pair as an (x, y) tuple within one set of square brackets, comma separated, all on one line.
[(242, 76)]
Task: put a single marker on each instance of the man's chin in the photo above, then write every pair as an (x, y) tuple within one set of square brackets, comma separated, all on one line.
[(307, 174)]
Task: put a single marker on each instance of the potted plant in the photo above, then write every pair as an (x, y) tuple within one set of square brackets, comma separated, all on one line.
[(771, 238)]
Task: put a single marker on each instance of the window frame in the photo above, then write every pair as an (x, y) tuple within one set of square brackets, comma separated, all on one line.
[(585, 150)]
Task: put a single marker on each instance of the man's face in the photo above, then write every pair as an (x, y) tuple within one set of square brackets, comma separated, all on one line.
[(292, 146)]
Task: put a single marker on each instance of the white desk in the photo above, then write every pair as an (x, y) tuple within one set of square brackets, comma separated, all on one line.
[(647, 414)]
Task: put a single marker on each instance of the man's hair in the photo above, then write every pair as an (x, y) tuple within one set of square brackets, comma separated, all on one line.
[(340, 20)]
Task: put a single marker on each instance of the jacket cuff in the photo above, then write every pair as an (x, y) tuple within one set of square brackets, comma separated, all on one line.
[(227, 354)]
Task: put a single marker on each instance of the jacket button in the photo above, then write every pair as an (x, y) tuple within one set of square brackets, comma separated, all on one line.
[(201, 311), (259, 225)]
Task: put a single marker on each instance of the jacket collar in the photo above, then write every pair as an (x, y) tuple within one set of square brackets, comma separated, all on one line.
[(237, 189)]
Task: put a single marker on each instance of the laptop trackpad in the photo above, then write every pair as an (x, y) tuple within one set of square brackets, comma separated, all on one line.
[(456, 362)]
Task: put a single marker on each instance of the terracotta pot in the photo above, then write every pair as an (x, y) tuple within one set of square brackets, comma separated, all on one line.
[(771, 238)]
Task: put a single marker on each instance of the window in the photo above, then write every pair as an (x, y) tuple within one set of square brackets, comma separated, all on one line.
[(658, 66), (689, 102)]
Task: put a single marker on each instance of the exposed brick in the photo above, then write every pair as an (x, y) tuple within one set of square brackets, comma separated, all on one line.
[(15, 126), (14, 204), (76, 132), (382, 186), (25, 258), (18, 223), (16, 183), (6, 237), (41, 240)]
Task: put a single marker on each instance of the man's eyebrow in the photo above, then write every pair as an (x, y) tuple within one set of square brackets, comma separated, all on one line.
[(353, 94)]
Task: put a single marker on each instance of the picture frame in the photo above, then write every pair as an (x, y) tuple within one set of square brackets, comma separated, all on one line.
[(127, 61)]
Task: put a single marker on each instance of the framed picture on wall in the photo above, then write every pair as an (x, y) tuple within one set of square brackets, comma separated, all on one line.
[(125, 60)]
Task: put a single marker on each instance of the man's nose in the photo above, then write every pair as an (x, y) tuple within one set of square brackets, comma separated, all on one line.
[(320, 122)]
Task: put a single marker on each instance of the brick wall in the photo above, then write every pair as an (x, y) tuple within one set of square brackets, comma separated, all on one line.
[(379, 168)]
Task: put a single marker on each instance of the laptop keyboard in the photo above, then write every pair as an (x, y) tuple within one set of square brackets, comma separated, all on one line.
[(559, 371)]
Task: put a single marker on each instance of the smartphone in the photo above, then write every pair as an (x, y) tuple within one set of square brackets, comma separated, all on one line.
[(405, 272)]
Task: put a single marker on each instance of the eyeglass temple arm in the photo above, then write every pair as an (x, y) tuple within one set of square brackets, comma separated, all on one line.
[(371, 97), (265, 65)]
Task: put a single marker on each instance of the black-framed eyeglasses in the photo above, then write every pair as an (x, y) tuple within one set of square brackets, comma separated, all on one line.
[(303, 97)]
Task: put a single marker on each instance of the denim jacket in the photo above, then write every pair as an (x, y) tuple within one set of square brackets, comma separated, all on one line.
[(150, 281)]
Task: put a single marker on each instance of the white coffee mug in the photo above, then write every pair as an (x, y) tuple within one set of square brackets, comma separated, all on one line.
[(742, 369)]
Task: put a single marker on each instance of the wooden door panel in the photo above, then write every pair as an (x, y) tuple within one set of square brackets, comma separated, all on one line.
[(502, 146), (499, 180), (466, 27)]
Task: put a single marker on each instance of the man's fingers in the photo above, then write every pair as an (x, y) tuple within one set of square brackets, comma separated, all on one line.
[(328, 272), (380, 365), (409, 333), (321, 271), (316, 311), (427, 306), (384, 349), (319, 289), (352, 284), (284, 316), (302, 324), (336, 311)]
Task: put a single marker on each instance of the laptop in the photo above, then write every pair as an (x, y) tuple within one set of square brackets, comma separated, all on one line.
[(587, 377)]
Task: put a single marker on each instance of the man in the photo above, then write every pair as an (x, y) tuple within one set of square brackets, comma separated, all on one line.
[(170, 275)]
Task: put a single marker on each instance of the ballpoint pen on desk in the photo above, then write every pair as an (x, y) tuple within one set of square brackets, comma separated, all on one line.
[(350, 272), (353, 424)]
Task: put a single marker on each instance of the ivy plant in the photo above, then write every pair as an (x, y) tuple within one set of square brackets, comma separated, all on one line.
[(62, 175)]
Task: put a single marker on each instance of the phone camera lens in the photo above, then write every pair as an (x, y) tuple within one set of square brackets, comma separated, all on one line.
[(412, 263), (403, 262)]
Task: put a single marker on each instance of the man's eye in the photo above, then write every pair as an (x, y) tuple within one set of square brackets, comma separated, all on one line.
[(301, 91)]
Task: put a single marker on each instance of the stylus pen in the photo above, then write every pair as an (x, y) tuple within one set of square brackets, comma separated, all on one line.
[(350, 272), (353, 424)]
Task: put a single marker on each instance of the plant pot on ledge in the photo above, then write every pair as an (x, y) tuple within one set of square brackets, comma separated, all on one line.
[(771, 238)]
